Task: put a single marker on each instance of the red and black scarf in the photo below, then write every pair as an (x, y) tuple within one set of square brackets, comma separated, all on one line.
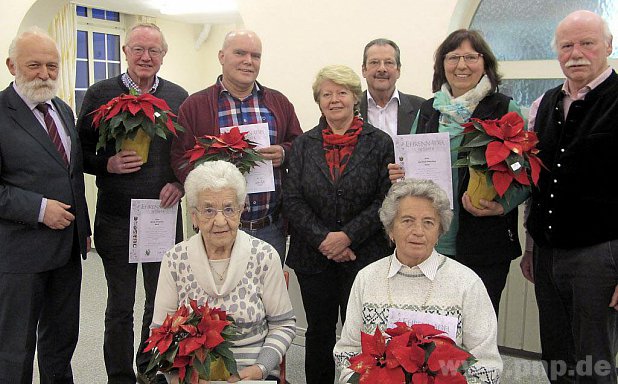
[(338, 148)]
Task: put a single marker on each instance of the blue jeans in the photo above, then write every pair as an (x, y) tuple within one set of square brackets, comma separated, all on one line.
[(273, 235)]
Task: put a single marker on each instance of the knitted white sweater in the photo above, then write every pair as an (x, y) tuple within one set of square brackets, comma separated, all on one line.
[(455, 291)]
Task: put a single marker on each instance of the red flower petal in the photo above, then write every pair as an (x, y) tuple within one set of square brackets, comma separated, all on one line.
[(496, 152), (512, 124), (148, 111), (501, 180)]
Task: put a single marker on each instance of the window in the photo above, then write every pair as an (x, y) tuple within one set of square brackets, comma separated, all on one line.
[(99, 34), (528, 62)]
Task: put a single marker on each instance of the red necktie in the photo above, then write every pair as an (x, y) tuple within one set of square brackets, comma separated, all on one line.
[(52, 130)]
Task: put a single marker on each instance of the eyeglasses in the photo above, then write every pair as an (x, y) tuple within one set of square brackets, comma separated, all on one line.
[(152, 52), (375, 63), (210, 212), (469, 58)]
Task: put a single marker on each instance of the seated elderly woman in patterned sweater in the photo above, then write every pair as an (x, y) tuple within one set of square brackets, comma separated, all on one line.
[(229, 269), (416, 279)]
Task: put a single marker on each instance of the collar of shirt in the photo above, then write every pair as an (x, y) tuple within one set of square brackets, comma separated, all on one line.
[(129, 83), (31, 104), (374, 104), (254, 92), (588, 87), (428, 267)]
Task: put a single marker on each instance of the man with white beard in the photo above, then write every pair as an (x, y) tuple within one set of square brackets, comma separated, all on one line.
[(44, 224)]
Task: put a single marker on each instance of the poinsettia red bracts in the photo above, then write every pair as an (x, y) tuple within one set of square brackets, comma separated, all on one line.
[(187, 340), (230, 146), (123, 115), (504, 148), (418, 354)]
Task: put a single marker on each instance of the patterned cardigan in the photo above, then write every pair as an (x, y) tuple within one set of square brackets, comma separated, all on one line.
[(253, 293)]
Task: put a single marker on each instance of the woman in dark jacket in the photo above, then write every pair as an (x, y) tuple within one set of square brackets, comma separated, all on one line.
[(337, 179), (465, 83)]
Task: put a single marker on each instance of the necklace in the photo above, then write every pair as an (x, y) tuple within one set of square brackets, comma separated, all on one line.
[(220, 276), (388, 286)]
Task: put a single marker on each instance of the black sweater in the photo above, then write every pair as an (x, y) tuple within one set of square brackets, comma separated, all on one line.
[(576, 204), (116, 190)]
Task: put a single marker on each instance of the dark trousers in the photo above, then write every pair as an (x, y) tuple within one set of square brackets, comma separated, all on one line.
[(325, 298), (39, 310), (494, 278), (579, 331), (111, 236)]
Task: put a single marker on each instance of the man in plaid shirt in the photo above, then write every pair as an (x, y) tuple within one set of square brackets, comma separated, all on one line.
[(236, 99)]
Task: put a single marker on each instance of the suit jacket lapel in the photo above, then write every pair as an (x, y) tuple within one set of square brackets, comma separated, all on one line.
[(315, 152), (25, 119), (363, 148), (404, 116)]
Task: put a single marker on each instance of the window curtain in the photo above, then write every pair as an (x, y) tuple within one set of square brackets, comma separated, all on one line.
[(63, 31)]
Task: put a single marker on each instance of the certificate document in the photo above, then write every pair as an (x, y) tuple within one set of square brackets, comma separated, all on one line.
[(446, 324), (261, 177), (153, 230), (426, 156)]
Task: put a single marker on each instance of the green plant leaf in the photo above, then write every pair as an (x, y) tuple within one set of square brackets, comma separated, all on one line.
[(132, 122), (477, 156), (480, 140)]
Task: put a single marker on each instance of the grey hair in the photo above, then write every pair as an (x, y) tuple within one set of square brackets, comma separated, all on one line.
[(34, 30), (152, 26), (215, 176), (425, 189)]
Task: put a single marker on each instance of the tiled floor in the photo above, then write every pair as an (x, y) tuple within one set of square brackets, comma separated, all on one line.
[(88, 364)]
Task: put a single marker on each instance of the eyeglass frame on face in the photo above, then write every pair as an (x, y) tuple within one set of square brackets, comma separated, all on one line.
[(469, 58), (152, 52), (228, 212), (375, 63)]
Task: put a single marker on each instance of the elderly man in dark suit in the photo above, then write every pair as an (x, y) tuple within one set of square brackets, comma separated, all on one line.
[(44, 223), (382, 105)]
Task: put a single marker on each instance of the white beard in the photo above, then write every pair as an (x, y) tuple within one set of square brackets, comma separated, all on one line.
[(37, 90)]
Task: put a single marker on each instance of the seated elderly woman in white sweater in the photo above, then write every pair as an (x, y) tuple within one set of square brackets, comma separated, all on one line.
[(229, 269), (416, 279)]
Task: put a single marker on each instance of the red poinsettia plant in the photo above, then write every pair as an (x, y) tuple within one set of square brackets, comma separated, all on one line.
[(231, 146), (192, 341), (503, 150), (124, 115), (417, 354)]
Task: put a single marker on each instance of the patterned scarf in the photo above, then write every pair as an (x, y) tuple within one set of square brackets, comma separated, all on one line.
[(338, 148), (458, 110)]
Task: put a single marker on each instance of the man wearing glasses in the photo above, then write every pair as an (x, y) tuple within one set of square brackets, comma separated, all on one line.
[(121, 177), (382, 105)]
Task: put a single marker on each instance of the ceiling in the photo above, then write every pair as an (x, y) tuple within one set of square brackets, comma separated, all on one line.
[(203, 12)]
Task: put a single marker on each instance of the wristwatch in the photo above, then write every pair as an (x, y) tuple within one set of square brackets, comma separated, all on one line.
[(263, 369)]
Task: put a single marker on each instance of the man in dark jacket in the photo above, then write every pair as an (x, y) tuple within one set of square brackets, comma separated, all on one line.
[(382, 104)]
